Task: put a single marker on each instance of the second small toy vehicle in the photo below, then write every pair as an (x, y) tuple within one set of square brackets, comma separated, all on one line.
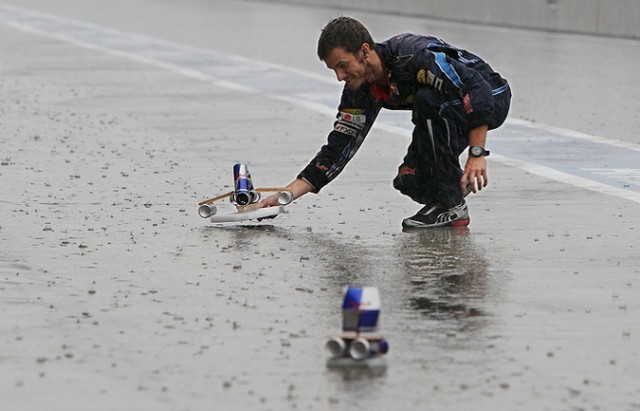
[(359, 344)]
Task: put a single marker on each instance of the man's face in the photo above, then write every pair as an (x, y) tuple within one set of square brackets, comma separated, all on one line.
[(352, 69)]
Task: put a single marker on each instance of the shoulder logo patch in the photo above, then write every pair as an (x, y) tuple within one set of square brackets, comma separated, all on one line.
[(422, 77)]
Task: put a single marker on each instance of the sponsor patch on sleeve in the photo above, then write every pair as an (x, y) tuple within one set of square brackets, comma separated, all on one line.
[(350, 122), (343, 128), (427, 78), (356, 119), (422, 77)]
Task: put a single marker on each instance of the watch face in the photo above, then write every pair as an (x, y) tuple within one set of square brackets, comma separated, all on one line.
[(477, 151)]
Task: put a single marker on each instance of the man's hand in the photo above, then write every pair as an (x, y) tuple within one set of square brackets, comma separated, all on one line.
[(270, 201), (297, 187), (475, 173)]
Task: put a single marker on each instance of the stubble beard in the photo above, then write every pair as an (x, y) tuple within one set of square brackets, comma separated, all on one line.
[(367, 73)]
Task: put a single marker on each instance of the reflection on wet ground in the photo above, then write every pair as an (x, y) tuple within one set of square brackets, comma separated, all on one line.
[(244, 235), (339, 263), (446, 271), (441, 291), (358, 373)]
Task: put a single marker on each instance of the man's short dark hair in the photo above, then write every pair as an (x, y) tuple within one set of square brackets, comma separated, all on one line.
[(343, 32)]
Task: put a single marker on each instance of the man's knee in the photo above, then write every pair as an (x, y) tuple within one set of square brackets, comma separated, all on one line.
[(409, 183)]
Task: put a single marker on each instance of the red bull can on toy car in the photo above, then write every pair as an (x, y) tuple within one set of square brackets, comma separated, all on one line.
[(360, 309), (243, 191)]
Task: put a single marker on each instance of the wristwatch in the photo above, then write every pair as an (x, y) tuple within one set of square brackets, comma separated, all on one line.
[(477, 151)]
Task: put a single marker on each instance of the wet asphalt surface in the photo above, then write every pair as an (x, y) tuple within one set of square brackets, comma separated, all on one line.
[(115, 295)]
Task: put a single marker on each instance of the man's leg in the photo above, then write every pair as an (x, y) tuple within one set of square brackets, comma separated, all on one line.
[(430, 173)]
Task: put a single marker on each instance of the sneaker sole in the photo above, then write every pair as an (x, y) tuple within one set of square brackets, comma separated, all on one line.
[(416, 224)]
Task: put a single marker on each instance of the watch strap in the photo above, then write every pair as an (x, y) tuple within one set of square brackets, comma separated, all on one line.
[(483, 152)]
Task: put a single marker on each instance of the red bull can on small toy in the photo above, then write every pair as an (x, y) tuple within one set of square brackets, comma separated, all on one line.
[(360, 309), (243, 191)]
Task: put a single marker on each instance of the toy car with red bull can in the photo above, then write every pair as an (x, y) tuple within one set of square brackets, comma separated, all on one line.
[(245, 197), (359, 344)]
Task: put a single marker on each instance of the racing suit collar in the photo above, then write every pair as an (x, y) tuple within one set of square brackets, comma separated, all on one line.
[(381, 92)]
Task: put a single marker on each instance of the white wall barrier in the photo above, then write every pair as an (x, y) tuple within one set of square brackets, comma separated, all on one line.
[(618, 18)]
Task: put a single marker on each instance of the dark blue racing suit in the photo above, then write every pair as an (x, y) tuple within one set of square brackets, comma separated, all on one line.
[(449, 91)]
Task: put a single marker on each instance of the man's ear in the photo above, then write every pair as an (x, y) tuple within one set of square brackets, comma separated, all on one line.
[(365, 50)]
